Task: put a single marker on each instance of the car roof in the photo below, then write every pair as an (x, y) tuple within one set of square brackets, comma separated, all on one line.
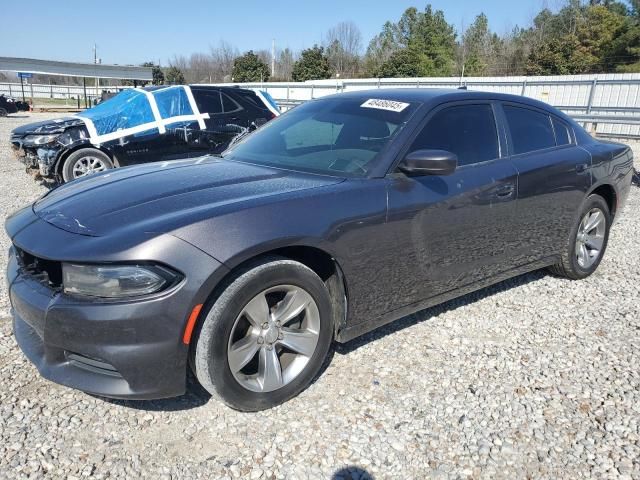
[(439, 95), (197, 86)]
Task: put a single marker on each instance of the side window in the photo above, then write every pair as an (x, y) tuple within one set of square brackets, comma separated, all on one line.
[(208, 102), (562, 132), (469, 131), (530, 130), (229, 105)]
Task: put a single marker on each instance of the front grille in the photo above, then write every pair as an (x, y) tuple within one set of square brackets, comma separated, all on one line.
[(46, 272)]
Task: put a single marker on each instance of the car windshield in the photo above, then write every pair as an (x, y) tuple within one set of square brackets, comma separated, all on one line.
[(336, 136)]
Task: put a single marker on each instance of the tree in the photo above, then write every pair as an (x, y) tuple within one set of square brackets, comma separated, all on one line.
[(402, 63), (174, 76), (429, 36), (312, 65), (343, 43), (380, 49), (563, 56), (222, 58), (479, 47), (284, 65), (598, 37), (156, 73), (249, 68)]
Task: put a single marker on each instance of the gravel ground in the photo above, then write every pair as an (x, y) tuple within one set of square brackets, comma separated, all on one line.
[(535, 377)]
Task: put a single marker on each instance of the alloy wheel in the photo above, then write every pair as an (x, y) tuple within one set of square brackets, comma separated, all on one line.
[(273, 338), (88, 165), (590, 238)]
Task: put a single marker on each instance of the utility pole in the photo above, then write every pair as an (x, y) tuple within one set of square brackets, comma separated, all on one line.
[(273, 58), (464, 53), (96, 61)]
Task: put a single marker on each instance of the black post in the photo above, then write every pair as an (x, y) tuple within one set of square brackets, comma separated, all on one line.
[(84, 87), (22, 86)]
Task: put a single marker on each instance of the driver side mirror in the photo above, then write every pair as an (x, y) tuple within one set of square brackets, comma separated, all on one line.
[(429, 162)]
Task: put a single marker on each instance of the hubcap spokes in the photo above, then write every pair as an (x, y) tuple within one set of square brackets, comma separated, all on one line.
[(87, 166), (590, 237), (273, 338)]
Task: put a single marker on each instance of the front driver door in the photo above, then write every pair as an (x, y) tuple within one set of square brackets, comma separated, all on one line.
[(454, 230)]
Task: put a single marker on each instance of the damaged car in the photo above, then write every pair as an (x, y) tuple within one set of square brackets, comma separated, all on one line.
[(142, 125), (11, 105)]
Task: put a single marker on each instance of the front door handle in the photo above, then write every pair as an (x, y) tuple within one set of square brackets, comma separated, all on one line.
[(581, 167), (505, 191)]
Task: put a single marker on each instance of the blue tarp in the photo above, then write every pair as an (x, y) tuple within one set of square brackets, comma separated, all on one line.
[(172, 102), (130, 108)]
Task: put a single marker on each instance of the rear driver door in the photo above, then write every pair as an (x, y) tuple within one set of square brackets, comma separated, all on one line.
[(554, 174)]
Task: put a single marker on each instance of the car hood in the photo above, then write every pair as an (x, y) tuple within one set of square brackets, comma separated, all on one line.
[(161, 197), (58, 125)]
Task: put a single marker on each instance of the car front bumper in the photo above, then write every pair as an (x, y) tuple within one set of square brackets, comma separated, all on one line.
[(128, 350), (43, 157)]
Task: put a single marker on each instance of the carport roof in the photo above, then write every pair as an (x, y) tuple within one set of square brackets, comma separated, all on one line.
[(73, 69)]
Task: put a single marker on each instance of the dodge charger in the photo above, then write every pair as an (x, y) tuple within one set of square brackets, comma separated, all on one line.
[(343, 214)]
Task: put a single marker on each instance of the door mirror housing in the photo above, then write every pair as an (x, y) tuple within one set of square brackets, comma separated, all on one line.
[(429, 162)]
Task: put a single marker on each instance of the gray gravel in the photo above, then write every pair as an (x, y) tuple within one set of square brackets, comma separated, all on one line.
[(535, 377)]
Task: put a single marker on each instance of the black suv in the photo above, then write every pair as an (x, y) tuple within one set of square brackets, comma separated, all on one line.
[(142, 125)]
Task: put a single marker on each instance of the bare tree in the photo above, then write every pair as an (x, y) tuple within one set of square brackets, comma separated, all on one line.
[(200, 68), (222, 57), (343, 44), (284, 64)]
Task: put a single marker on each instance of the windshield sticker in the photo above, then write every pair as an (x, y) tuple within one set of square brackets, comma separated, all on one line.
[(390, 105)]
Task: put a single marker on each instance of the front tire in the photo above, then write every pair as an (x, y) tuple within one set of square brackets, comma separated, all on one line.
[(83, 162), (587, 241), (266, 336)]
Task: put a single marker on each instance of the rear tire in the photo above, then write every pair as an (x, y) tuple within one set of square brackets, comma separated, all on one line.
[(587, 241), (266, 336), (85, 161), (3, 112)]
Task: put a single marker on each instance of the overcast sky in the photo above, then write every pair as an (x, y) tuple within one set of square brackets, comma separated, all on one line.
[(133, 32)]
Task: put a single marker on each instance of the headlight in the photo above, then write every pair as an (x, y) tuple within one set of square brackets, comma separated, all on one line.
[(40, 139), (115, 281)]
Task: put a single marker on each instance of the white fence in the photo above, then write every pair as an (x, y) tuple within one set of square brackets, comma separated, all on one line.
[(615, 98), (69, 92)]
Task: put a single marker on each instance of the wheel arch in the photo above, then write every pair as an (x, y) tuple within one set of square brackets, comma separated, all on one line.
[(317, 259), (608, 193)]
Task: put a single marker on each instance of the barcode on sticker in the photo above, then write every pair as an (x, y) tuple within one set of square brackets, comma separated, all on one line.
[(390, 105)]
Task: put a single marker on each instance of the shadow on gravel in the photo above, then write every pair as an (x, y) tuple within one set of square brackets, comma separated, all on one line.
[(352, 472), (195, 397), (426, 314)]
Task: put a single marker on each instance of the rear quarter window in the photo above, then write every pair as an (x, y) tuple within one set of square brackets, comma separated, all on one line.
[(208, 102), (229, 105), (563, 137), (530, 130)]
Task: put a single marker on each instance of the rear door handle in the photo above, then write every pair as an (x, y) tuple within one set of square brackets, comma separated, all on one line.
[(581, 167)]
